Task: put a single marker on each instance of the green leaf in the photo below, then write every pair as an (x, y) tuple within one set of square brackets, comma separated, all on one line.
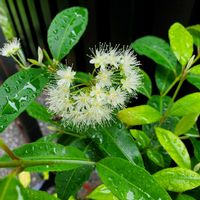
[(36, 195), (174, 146), (39, 112), (196, 146), (164, 78), (18, 91), (128, 181), (186, 105), (181, 43), (48, 156), (177, 179), (82, 77), (156, 49), (65, 30), (160, 103), (101, 192), (193, 76), (156, 157), (141, 138), (195, 32), (139, 115), (69, 182), (50, 137), (146, 87), (116, 141), (10, 189), (186, 123), (185, 197)]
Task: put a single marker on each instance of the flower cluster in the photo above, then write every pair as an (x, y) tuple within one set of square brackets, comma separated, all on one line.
[(115, 79), (10, 48)]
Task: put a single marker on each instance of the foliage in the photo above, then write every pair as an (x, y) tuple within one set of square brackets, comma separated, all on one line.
[(142, 153)]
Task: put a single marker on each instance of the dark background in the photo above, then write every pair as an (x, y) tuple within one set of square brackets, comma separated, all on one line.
[(115, 21)]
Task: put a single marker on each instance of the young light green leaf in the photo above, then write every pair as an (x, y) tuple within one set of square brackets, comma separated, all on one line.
[(39, 112), (174, 146), (18, 91), (177, 179), (116, 141), (156, 157), (195, 32), (186, 123), (186, 105), (193, 76), (102, 192), (128, 181), (69, 182), (181, 43), (141, 138), (65, 31), (156, 49), (146, 87), (185, 197), (30, 194), (164, 78), (139, 115), (10, 189), (48, 156)]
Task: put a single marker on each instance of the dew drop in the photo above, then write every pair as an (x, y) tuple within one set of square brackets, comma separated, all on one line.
[(29, 86)]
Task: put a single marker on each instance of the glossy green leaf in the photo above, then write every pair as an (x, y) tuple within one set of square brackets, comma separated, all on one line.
[(196, 146), (193, 76), (128, 181), (186, 105), (177, 179), (195, 32), (160, 103), (139, 115), (39, 112), (102, 192), (50, 137), (186, 123), (69, 182), (18, 91), (65, 31), (142, 140), (82, 77), (164, 78), (156, 49), (174, 146), (156, 157), (10, 189), (146, 87), (116, 141), (181, 43), (30, 194), (48, 156), (185, 197)]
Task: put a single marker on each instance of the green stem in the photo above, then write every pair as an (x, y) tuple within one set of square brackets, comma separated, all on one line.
[(31, 163), (18, 62), (8, 150), (47, 57), (172, 85)]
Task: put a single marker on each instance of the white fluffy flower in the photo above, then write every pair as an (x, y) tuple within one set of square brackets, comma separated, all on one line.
[(10, 48), (94, 103), (66, 76), (131, 82), (104, 78), (99, 57), (117, 97)]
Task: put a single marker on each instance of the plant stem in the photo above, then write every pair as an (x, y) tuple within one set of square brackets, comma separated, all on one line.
[(8, 150), (172, 85), (31, 163)]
